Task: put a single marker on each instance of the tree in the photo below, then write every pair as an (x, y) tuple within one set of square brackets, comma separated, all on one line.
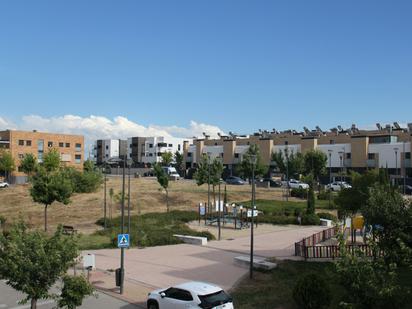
[(289, 163), (179, 162), (311, 204), (28, 164), (163, 180), (312, 292), (89, 166), (51, 160), (48, 188), (32, 262), (167, 158), (245, 167), (391, 218), (315, 163), (202, 171), (205, 173), (75, 289), (7, 164)]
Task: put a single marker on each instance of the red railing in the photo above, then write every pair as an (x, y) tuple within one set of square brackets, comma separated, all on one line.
[(308, 248)]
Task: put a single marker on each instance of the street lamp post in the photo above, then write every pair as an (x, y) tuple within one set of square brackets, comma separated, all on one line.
[(105, 196), (219, 215), (330, 176), (208, 183), (122, 230), (128, 199), (287, 172), (396, 164), (253, 161), (404, 169)]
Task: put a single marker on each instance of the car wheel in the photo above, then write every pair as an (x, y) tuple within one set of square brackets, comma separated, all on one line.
[(152, 305)]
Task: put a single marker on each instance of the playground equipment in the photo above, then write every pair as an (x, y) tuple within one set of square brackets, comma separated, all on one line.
[(230, 214)]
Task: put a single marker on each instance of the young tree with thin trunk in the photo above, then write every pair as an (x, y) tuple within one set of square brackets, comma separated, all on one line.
[(179, 163), (29, 164), (163, 180), (167, 158), (245, 167)]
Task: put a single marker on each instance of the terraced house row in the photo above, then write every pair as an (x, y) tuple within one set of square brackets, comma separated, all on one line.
[(346, 149), (20, 143)]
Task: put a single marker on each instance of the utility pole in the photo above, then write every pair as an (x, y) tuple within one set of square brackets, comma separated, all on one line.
[(208, 184), (128, 202), (404, 169), (105, 194), (330, 177), (219, 214), (253, 159)]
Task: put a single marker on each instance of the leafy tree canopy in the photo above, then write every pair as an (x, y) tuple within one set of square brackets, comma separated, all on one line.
[(246, 166)]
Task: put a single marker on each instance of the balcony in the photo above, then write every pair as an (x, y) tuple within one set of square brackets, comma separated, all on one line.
[(371, 163)]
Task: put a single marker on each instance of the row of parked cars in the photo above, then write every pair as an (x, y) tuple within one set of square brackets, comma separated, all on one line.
[(293, 183), (3, 184)]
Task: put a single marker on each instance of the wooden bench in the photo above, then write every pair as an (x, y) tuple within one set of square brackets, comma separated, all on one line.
[(69, 230)]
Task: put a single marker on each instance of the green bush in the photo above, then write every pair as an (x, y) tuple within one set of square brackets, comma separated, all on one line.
[(277, 219), (311, 201), (2, 220), (326, 215), (299, 193), (312, 292), (323, 195), (310, 219)]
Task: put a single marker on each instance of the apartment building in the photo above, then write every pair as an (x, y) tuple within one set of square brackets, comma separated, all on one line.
[(20, 143), (148, 150), (346, 149), (108, 149)]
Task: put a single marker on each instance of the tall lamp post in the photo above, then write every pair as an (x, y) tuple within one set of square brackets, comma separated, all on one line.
[(122, 229), (404, 169), (253, 159), (128, 197), (396, 164), (105, 195), (330, 176), (287, 172), (208, 183)]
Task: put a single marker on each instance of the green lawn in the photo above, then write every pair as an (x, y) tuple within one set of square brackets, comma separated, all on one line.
[(274, 289), (152, 229)]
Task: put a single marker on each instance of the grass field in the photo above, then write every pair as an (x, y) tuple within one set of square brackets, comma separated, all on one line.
[(85, 209)]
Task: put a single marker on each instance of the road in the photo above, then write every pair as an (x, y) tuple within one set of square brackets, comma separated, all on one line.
[(9, 300)]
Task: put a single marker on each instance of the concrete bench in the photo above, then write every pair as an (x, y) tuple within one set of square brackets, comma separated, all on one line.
[(193, 240), (258, 263), (326, 222)]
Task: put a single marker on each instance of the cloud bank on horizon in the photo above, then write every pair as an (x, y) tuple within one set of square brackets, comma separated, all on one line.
[(99, 127)]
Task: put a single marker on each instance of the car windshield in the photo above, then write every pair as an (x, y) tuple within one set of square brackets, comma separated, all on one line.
[(213, 300)]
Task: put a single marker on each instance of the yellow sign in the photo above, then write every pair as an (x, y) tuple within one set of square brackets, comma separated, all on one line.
[(358, 222)]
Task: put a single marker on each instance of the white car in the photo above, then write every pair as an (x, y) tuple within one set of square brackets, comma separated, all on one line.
[(296, 184), (338, 185), (190, 295), (4, 184)]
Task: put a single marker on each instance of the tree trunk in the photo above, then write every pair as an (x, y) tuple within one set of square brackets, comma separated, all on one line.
[(33, 303), (214, 197), (45, 218), (167, 200)]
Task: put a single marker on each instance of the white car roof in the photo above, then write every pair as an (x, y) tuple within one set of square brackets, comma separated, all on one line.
[(199, 288)]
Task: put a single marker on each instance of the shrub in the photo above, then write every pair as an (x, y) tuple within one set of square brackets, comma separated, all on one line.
[(312, 292), (311, 201), (310, 219), (277, 219), (299, 193), (326, 215), (323, 195), (2, 220)]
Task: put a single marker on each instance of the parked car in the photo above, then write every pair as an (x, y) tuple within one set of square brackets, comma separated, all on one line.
[(3, 184), (408, 189), (296, 184), (337, 186), (190, 295), (172, 172), (233, 180), (272, 183)]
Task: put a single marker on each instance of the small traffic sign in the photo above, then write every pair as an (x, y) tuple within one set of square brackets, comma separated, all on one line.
[(123, 241)]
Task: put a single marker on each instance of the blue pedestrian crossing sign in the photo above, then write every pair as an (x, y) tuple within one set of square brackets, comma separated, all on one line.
[(123, 241)]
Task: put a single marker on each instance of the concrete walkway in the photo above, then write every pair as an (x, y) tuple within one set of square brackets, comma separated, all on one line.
[(162, 266)]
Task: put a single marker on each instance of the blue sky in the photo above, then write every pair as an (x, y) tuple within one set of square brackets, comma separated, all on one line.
[(238, 65)]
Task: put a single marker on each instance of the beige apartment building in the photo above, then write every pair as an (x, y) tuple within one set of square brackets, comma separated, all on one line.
[(346, 149), (20, 143)]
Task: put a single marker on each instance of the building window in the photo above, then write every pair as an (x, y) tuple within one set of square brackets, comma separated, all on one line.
[(78, 159), (236, 155), (371, 156), (332, 141), (21, 142), (49, 144), (286, 143), (159, 154), (21, 156), (189, 154), (67, 145), (407, 155), (61, 144), (215, 144), (150, 154), (150, 145), (170, 145), (221, 154), (161, 144), (28, 143), (348, 155), (78, 147), (178, 147)]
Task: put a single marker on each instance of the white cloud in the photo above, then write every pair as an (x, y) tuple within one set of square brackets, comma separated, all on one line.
[(99, 127)]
